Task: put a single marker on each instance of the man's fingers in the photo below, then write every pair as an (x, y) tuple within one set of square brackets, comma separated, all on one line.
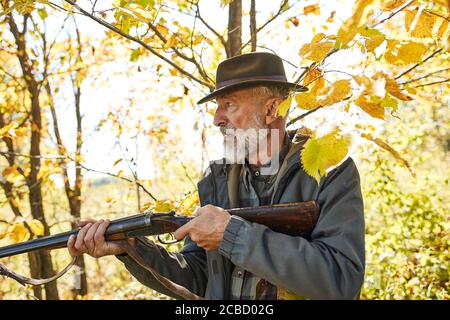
[(82, 223), (99, 236), (89, 238), (79, 243), (183, 231), (70, 245)]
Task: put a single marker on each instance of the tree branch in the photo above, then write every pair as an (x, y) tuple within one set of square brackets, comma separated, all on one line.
[(133, 39), (425, 76), (431, 83), (280, 11), (393, 14), (419, 63)]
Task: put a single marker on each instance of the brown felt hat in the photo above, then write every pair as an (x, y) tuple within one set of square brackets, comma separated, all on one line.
[(249, 70)]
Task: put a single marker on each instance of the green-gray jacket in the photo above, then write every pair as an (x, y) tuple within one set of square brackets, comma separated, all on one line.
[(329, 265)]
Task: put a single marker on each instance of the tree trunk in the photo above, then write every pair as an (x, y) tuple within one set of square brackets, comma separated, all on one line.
[(253, 25), (45, 266), (35, 190), (75, 210), (234, 41)]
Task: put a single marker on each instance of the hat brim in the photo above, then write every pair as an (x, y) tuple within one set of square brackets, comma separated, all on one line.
[(250, 83)]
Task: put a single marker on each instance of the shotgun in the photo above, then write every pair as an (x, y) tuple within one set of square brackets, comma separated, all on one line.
[(296, 219)]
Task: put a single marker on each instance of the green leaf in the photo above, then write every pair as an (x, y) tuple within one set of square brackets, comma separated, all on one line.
[(283, 107), (135, 54), (319, 155), (42, 13)]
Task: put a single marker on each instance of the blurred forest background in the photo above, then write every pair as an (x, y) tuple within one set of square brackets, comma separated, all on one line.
[(98, 118)]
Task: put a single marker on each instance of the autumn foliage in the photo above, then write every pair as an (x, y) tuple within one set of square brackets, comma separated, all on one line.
[(378, 74)]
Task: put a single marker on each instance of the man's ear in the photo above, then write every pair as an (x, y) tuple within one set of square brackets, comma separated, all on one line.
[(271, 110)]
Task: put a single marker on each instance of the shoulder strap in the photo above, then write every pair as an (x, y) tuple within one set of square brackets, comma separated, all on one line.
[(232, 184)]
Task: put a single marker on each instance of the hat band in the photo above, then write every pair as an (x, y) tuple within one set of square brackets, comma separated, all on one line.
[(261, 78)]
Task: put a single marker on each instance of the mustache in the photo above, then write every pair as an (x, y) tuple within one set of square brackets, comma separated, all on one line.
[(224, 128)]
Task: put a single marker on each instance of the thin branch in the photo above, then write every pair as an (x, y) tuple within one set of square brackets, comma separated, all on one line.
[(291, 122), (120, 177), (133, 39), (280, 11), (393, 14), (314, 65), (207, 25), (17, 154), (425, 76), (179, 53), (436, 14), (419, 63), (431, 83)]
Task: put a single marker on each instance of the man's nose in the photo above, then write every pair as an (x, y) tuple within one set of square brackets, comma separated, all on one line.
[(220, 118)]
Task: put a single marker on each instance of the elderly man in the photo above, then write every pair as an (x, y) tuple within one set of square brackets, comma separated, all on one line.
[(227, 257)]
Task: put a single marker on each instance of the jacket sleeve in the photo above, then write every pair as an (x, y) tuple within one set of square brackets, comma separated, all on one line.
[(330, 265), (186, 268)]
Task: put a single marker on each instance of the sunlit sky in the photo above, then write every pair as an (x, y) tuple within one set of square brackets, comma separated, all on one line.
[(118, 81)]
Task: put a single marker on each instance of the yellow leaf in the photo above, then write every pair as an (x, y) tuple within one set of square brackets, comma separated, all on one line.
[(314, 76), (393, 88), (116, 162), (18, 233), (190, 203), (404, 53), (316, 51), (137, 12), (392, 4), (331, 17), (14, 202), (283, 107), (163, 206), (314, 8), (339, 90), (173, 72), (320, 155), (171, 42), (304, 131), (36, 227), (375, 109), (318, 37), (374, 38), (362, 80), (350, 27), (442, 28), (307, 100), (424, 26), (224, 3), (10, 170), (409, 18), (173, 99)]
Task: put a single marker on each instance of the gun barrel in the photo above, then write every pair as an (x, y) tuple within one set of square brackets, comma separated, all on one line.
[(118, 226)]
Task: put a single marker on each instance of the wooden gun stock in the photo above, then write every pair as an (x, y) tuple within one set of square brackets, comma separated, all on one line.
[(296, 218)]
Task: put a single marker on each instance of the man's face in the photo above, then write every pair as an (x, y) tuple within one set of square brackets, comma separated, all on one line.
[(239, 110), (242, 123)]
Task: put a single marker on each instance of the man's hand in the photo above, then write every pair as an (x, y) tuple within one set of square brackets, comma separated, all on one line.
[(91, 240), (207, 228)]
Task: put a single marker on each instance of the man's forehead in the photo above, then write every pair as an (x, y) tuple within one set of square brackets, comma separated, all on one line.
[(238, 94)]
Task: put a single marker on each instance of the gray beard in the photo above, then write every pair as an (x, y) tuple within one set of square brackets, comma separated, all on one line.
[(240, 144)]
